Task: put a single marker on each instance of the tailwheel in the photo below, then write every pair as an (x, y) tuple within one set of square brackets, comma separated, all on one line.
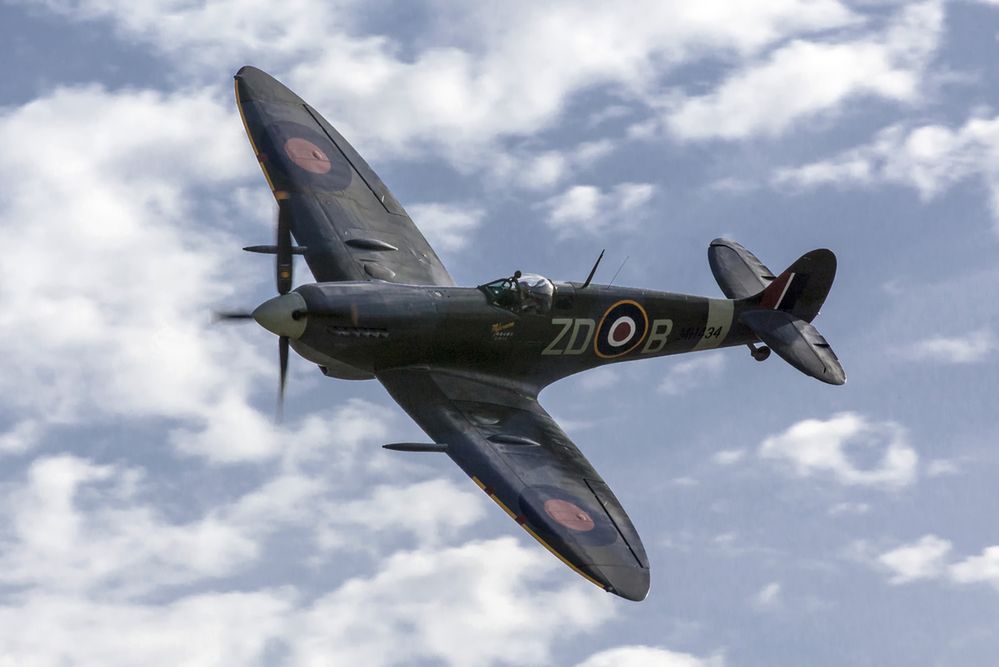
[(761, 353)]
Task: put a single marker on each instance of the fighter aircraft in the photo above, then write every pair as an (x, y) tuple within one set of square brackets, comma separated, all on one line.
[(467, 363)]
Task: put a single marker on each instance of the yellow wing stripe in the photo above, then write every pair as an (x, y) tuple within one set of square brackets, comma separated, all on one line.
[(530, 532)]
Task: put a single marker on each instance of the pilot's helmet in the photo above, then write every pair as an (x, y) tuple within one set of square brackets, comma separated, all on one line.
[(538, 292)]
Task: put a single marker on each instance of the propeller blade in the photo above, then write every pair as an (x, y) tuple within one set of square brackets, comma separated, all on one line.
[(228, 316), (285, 258), (283, 354)]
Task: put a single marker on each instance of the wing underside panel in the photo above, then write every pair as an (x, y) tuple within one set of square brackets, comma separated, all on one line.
[(520, 457)]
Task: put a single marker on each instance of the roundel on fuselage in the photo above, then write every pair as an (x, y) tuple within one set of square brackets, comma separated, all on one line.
[(621, 330)]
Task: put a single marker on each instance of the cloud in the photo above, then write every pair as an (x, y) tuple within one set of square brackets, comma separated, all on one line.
[(841, 509), (929, 558), (103, 573), (428, 604), (648, 656), (804, 78), (978, 569), (768, 597), (472, 76), (686, 375), (814, 447), (587, 209), (112, 270), (438, 603), (203, 35), (49, 629), (21, 437), (74, 526), (727, 457), (430, 510), (447, 226), (942, 467), (922, 560), (930, 159), (542, 170), (972, 348)]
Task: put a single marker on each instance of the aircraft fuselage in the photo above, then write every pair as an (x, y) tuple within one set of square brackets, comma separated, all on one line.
[(352, 330)]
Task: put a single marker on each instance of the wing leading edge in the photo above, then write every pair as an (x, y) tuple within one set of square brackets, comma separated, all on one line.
[(349, 222), (515, 452)]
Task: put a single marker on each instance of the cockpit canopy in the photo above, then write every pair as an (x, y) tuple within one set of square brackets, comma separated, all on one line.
[(521, 293)]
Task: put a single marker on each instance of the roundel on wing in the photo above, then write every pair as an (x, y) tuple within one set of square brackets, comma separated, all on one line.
[(552, 511), (307, 156), (621, 330)]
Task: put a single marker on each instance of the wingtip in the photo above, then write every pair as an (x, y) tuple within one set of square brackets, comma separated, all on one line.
[(254, 84), (246, 70), (630, 583)]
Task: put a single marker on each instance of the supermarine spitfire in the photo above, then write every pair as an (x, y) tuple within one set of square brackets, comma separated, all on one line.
[(467, 363)]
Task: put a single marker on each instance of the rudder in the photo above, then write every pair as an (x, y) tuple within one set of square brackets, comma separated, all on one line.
[(802, 289)]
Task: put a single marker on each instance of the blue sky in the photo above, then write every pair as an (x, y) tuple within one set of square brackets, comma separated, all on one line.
[(153, 513)]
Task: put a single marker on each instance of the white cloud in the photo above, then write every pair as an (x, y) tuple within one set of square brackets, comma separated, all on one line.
[(929, 159), (21, 437), (430, 510), (209, 33), (437, 604), (479, 79), (686, 375), (586, 209), (924, 559), (978, 569), (816, 447), (547, 168), (205, 629), (648, 656), (421, 605), (727, 457), (55, 541), (111, 270), (804, 78), (839, 509), (447, 227), (236, 432), (928, 558), (768, 597), (942, 467), (969, 349)]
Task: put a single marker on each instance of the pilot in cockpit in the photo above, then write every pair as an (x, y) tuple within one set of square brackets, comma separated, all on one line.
[(522, 293)]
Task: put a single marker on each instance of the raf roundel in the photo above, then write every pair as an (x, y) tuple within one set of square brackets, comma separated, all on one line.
[(622, 329), (569, 515), (307, 155)]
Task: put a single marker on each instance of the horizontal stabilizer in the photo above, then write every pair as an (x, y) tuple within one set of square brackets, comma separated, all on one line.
[(739, 273), (797, 342)]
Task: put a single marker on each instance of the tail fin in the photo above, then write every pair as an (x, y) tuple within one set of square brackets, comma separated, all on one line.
[(779, 310), (803, 287)]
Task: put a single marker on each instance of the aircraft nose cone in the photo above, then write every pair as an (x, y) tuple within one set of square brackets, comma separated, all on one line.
[(277, 315)]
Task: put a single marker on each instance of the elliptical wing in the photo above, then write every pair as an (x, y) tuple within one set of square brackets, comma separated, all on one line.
[(347, 220)]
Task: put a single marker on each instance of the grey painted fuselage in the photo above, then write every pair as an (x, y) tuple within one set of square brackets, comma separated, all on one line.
[(367, 327)]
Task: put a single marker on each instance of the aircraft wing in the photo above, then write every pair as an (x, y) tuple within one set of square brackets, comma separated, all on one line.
[(501, 437), (350, 225)]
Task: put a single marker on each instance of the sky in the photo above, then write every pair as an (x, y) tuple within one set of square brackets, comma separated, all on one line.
[(152, 512)]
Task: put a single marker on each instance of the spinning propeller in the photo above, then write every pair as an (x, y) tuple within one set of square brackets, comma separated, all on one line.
[(285, 312)]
